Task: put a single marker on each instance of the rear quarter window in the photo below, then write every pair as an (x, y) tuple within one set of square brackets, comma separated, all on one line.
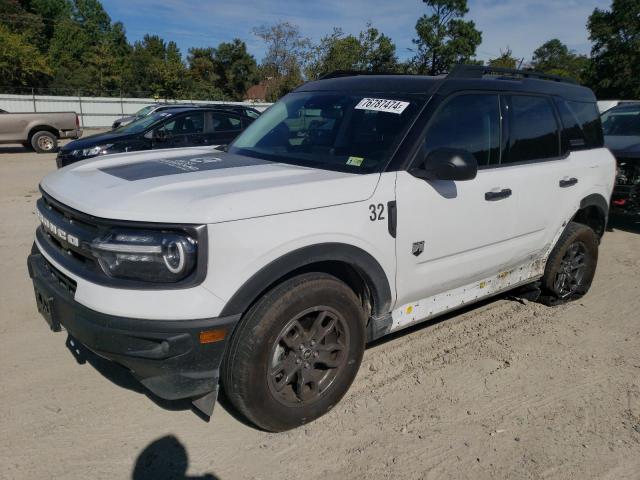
[(582, 125)]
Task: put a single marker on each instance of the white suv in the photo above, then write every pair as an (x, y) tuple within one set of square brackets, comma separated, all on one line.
[(355, 206)]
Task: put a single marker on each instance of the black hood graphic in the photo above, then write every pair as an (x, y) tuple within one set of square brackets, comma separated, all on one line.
[(180, 165)]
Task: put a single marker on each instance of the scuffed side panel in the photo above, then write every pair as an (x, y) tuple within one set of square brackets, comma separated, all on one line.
[(427, 308)]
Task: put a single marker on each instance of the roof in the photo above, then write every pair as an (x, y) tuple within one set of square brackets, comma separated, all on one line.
[(257, 92), (428, 85)]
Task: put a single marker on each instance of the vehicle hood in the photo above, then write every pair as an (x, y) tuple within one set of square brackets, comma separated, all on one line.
[(125, 120), (623, 147), (199, 185), (97, 139)]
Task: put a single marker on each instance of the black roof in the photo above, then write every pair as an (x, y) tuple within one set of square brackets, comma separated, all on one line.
[(464, 79), (194, 107)]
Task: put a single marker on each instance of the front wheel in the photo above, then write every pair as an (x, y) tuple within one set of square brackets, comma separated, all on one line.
[(296, 352), (572, 264)]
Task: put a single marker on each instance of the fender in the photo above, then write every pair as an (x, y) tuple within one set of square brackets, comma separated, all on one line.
[(597, 200), (366, 265)]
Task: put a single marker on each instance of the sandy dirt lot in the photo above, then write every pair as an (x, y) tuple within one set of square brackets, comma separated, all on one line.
[(507, 389)]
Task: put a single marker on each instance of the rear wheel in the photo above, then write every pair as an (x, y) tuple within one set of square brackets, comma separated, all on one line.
[(44, 142), (296, 352), (572, 264)]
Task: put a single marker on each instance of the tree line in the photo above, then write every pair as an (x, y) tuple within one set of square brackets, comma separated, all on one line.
[(74, 46)]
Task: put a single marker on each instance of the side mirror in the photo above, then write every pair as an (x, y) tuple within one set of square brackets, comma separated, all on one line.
[(447, 164)]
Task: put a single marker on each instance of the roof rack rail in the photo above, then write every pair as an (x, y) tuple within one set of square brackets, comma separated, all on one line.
[(353, 73), (479, 71)]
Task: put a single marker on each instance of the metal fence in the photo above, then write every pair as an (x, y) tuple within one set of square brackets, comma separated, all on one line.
[(94, 112)]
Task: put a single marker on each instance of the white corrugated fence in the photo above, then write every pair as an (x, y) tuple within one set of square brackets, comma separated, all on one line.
[(94, 112)]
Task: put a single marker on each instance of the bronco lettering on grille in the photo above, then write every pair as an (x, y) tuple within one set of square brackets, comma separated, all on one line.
[(57, 231)]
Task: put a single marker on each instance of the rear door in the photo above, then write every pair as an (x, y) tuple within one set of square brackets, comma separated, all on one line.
[(223, 127), (545, 177), (453, 233)]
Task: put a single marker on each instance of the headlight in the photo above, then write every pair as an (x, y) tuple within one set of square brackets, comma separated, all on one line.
[(161, 257), (93, 151)]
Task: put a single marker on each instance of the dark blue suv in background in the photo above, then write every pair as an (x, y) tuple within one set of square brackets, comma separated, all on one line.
[(190, 126)]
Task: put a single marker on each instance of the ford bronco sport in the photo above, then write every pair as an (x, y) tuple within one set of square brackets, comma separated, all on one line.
[(356, 206)]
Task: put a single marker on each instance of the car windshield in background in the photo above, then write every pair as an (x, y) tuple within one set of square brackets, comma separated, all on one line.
[(624, 122), (354, 133), (143, 123), (143, 112)]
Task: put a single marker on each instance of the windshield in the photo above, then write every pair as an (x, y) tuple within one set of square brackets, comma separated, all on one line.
[(143, 112), (623, 122), (143, 123), (347, 132)]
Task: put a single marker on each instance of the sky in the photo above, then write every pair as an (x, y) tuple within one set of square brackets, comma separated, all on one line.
[(522, 25)]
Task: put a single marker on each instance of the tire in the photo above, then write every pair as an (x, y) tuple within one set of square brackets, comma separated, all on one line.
[(571, 265), (44, 142), (274, 373)]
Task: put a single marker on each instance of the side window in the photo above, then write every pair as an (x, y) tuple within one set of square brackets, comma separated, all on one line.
[(573, 137), (468, 122), (588, 116), (185, 124), (222, 122), (533, 130)]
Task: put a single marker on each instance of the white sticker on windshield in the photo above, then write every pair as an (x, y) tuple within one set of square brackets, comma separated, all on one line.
[(382, 105)]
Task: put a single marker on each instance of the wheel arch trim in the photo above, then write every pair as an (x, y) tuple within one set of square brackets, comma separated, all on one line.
[(598, 201), (363, 262)]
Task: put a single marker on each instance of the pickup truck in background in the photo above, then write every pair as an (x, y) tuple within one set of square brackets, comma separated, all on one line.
[(39, 131)]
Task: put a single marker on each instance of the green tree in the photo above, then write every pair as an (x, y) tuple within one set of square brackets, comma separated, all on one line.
[(87, 52), (336, 51), (555, 58), (202, 74), (378, 51), (21, 63), (370, 51), (505, 60), (614, 71), (287, 54), (158, 68), (235, 68), (444, 37)]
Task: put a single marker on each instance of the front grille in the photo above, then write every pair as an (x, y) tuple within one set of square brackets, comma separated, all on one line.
[(65, 282), (66, 235)]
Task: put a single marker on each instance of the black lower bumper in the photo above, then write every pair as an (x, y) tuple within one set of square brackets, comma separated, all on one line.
[(166, 356)]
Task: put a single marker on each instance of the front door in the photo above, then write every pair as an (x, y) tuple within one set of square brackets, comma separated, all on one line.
[(451, 234), (185, 130)]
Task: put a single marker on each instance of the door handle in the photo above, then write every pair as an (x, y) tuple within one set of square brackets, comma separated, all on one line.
[(499, 195), (568, 182)]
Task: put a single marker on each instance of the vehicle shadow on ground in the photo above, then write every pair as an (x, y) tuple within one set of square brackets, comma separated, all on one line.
[(123, 378), (16, 149), (165, 459), (626, 224)]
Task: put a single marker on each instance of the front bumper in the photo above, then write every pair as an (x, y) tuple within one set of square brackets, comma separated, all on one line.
[(166, 356)]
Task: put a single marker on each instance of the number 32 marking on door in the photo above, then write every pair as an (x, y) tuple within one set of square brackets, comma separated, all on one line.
[(377, 212)]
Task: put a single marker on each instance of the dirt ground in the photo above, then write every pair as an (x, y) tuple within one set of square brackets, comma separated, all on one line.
[(504, 390)]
